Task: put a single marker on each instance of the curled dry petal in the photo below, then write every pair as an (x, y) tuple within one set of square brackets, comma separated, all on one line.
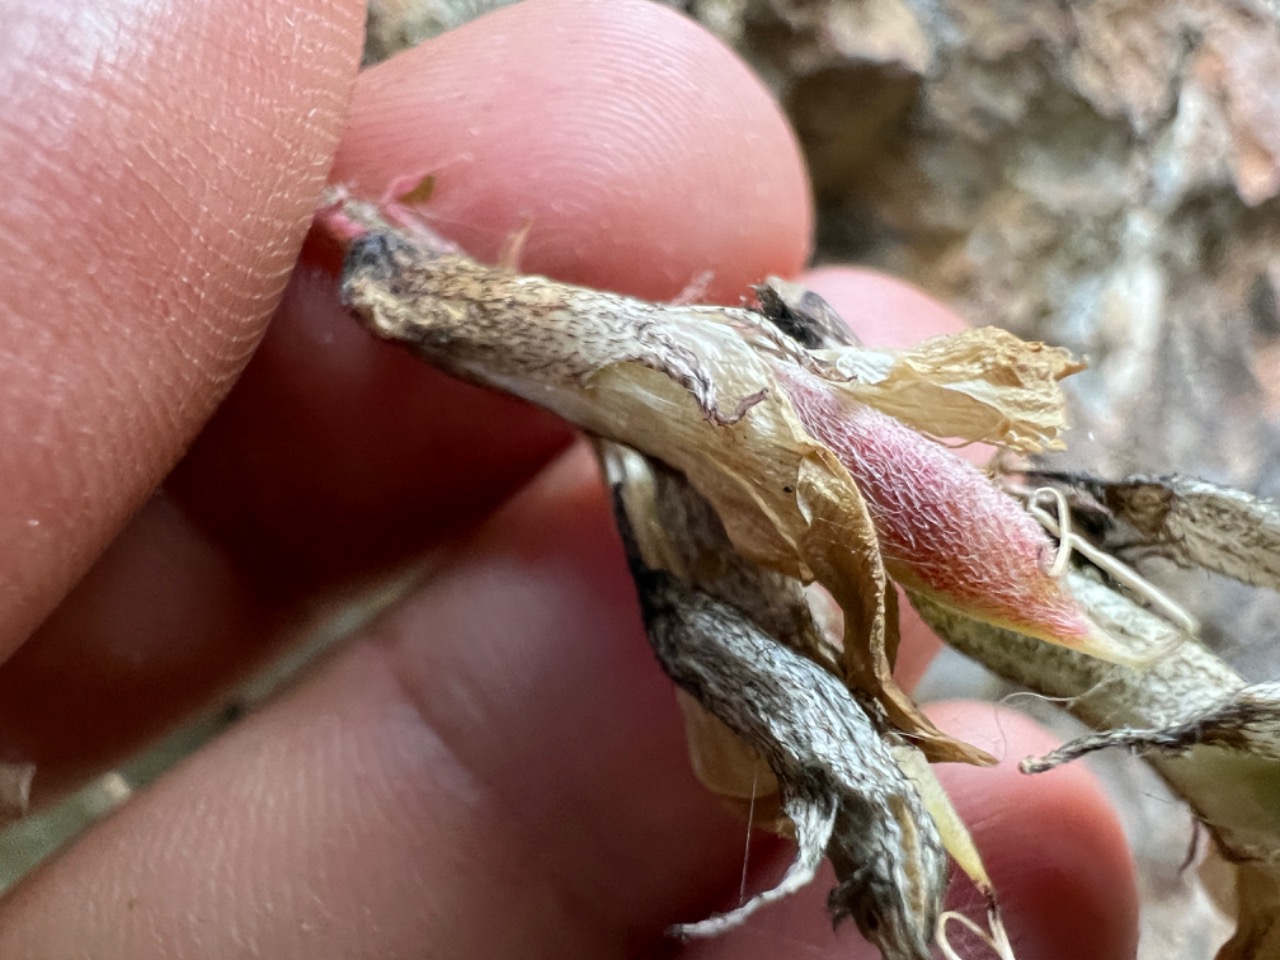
[(983, 385)]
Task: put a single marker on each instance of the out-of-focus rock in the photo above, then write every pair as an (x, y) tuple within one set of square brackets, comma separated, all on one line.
[(1103, 175), (395, 25)]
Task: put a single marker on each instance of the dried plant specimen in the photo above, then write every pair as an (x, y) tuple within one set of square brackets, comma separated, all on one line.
[(840, 786), (754, 451)]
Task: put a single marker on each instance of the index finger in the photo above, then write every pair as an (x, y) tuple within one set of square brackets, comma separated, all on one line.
[(336, 451), (160, 164)]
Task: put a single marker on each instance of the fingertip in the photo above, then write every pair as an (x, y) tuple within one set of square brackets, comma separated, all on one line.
[(637, 148), (1052, 843)]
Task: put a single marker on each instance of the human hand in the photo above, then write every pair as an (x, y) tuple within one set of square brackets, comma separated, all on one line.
[(495, 768)]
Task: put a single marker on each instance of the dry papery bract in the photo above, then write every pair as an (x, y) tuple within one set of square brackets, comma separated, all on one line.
[(754, 452)]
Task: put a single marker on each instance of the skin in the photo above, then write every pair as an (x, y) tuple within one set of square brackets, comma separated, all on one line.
[(495, 767)]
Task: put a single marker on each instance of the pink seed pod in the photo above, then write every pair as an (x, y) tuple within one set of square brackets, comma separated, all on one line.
[(944, 528)]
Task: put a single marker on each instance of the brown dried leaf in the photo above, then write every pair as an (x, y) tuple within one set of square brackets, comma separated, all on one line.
[(841, 788), (713, 393), (676, 529), (1247, 720), (1192, 522), (652, 376), (1257, 936)]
